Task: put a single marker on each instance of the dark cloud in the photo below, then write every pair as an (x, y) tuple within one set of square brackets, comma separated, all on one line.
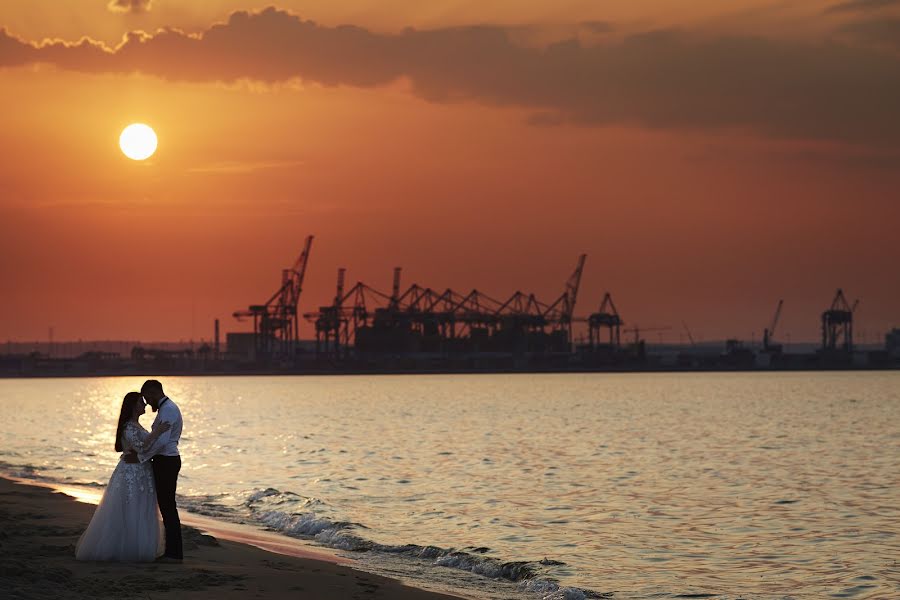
[(13, 51), (129, 6), (663, 79), (879, 32), (854, 6)]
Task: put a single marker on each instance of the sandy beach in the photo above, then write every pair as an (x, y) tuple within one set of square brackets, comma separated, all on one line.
[(40, 527)]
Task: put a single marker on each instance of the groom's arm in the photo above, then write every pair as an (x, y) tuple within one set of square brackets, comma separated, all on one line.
[(158, 444)]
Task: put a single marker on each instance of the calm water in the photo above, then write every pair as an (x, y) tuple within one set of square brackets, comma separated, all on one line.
[(644, 486)]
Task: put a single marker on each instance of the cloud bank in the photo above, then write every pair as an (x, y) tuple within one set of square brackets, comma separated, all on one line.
[(852, 6), (883, 32), (661, 79)]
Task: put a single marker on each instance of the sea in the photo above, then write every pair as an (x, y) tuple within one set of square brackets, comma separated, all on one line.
[(525, 486)]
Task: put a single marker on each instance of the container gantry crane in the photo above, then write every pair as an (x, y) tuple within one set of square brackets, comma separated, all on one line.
[(837, 325), (606, 316)]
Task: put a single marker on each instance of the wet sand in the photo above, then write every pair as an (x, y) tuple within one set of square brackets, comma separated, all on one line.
[(40, 527)]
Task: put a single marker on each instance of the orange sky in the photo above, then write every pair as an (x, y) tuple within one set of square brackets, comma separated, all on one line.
[(708, 161)]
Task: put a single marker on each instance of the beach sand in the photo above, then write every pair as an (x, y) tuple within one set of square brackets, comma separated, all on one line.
[(40, 527)]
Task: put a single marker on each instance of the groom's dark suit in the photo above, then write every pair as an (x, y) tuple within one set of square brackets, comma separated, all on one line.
[(166, 465)]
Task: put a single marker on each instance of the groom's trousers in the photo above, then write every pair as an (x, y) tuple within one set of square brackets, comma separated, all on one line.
[(165, 474)]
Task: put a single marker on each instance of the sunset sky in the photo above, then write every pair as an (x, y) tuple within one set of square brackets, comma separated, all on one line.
[(709, 157)]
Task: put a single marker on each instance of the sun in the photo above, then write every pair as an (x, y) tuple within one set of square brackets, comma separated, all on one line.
[(138, 141)]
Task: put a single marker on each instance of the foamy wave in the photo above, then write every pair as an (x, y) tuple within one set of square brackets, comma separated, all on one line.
[(524, 572), (343, 540), (264, 507), (340, 535), (260, 494), (304, 524), (274, 497), (486, 566), (550, 590)]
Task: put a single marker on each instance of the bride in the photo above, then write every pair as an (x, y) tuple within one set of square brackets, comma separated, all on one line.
[(126, 525)]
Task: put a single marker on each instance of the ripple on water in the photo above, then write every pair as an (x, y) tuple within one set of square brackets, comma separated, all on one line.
[(852, 591)]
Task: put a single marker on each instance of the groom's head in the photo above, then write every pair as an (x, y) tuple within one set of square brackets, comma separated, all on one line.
[(152, 392)]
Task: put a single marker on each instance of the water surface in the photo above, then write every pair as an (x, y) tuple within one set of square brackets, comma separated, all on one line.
[(644, 486)]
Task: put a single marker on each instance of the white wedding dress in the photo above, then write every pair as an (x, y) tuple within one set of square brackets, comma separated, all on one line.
[(126, 525)]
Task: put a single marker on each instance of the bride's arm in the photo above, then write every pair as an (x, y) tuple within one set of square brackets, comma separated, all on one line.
[(138, 444), (157, 431), (155, 442)]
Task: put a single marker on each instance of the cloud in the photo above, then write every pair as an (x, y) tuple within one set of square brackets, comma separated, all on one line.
[(852, 6), (879, 32), (660, 79), (129, 6)]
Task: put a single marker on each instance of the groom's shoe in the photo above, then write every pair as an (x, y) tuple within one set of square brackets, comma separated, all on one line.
[(169, 559)]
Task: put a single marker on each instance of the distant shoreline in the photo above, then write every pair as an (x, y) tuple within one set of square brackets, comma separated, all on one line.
[(56, 374)]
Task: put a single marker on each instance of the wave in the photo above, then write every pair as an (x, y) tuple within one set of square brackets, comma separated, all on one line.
[(344, 535), (273, 497), (37, 473), (550, 590)]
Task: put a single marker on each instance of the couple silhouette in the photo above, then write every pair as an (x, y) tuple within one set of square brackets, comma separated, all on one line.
[(137, 517)]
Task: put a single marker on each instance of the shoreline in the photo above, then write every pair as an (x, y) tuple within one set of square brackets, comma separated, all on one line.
[(40, 525), (247, 534)]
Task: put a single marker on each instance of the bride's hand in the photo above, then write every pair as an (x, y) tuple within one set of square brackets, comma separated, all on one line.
[(163, 427)]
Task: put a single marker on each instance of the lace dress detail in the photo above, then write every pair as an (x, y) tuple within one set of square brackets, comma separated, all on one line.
[(126, 525), (136, 479)]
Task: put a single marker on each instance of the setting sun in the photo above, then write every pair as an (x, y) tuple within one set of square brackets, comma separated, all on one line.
[(138, 141)]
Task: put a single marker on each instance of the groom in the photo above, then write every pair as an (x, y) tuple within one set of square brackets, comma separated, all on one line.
[(166, 464)]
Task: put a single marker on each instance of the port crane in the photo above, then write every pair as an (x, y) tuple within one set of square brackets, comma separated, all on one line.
[(769, 332), (688, 332), (562, 311), (366, 320), (275, 322), (837, 325), (606, 316)]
